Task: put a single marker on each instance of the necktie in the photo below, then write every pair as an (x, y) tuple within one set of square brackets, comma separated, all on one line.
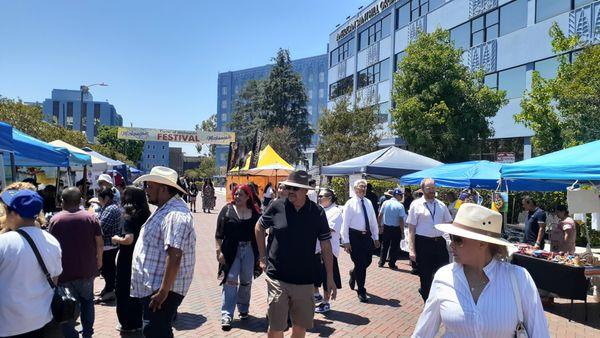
[(364, 209)]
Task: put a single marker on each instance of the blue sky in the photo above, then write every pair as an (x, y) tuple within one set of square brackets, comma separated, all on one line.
[(160, 58)]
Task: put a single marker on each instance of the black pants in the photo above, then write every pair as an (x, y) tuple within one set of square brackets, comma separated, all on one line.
[(432, 254), (361, 255), (158, 324), (390, 241), (129, 309), (109, 269)]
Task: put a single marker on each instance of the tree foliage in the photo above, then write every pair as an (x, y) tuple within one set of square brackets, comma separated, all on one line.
[(208, 125), (207, 168), (283, 143), (564, 111), (132, 149), (347, 130), (442, 109), (29, 119), (275, 104)]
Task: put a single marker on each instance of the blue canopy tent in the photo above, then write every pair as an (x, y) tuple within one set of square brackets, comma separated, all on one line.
[(6, 138), (476, 174), (564, 166), (32, 152), (387, 162)]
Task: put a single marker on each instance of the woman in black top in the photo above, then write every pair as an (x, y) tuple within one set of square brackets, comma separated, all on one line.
[(129, 310), (237, 253)]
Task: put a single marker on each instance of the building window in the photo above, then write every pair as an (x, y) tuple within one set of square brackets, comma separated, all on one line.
[(55, 110), (163, 157), (547, 68), (545, 9), (435, 4), (224, 90), (96, 118), (223, 104), (411, 11), (374, 74), (83, 117), (484, 28), (461, 36), (310, 94), (397, 59), (321, 77), (513, 16), (491, 80), (148, 146), (321, 93), (342, 87), (341, 53), (163, 147), (223, 117), (154, 156), (374, 33), (69, 123), (148, 155), (309, 109), (512, 81)]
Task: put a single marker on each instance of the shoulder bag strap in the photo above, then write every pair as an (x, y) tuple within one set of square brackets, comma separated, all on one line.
[(517, 294), (38, 256)]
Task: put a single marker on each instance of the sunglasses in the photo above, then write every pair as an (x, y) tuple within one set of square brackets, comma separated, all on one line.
[(324, 196), (456, 239), (289, 187)]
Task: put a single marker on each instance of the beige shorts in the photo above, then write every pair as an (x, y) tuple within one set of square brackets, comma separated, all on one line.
[(297, 299)]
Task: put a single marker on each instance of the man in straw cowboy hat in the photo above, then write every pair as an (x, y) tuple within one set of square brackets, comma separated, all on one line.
[(296, 224), (164, 256), (481, 295)]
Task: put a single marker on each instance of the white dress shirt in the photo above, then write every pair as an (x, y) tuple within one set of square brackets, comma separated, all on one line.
[(334, 218), (495, 315), (424, 215), (353, 218)]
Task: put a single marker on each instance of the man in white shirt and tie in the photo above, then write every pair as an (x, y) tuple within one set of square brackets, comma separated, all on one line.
[(427, 244), (360, 235)]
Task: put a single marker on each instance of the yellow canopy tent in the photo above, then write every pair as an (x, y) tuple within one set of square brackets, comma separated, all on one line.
[(270, 168)]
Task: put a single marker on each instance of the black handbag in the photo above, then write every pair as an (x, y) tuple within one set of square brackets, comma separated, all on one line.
[(64, 306)]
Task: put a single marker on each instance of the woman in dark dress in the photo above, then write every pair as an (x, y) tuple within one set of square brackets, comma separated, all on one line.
[(129, 310), (237, 253)]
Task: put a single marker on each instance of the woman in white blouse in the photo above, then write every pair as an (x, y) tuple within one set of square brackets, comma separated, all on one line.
[(474, 296)]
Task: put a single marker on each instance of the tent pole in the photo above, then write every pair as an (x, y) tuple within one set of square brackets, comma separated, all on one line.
[(85, 183), (13, 167), (57, 186)]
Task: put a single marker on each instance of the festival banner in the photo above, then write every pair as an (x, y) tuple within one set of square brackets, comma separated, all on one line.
[(232, 155), (256, 147), (165, 135)]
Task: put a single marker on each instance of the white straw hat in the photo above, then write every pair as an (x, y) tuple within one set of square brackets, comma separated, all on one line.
[(476, 222), (105, 178), (161, 175)]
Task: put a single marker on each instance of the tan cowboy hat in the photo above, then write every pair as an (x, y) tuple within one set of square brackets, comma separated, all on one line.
[(476, 222), (389, 193), (161, 175), (298, 179)]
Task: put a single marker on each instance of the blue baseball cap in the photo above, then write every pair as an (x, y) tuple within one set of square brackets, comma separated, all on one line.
[(26, 203), (398, 191)]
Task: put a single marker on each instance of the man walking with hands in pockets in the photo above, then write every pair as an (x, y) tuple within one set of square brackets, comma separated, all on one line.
[(296, 224)]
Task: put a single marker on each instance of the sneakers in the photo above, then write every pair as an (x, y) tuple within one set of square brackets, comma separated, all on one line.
[(243, 315), (106, 297), (362, 297), (122, 330), (225, 323), (323, 308), (317, 298)]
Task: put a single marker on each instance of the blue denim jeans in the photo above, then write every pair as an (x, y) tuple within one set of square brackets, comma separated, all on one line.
[(159, 323), (238, 283), (83, 290)]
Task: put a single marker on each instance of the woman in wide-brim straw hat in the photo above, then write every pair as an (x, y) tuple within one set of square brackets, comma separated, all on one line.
[(478, 294)]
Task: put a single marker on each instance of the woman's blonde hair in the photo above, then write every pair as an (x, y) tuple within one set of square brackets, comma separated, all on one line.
[(40, 219)]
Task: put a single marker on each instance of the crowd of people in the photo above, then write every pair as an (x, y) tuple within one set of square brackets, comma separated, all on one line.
[(147, 258)]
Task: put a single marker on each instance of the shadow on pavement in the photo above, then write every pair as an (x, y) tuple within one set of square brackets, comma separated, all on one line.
[(320, 327), (578, 315), (374, 299), (188, 321), (252, 324), (346, 317)]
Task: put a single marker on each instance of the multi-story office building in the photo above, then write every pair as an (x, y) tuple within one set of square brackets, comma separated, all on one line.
[(508, 39), (155, 153), (64, 109), (313, 71)]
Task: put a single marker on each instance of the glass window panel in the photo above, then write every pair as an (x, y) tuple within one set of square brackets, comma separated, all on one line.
[(334, 58), (398, 58), (477, 38), (424, 9), (491, 18), (579, 3), (363, 39), (512, 81), (491, 33), (513, 16), (385, 25), (403, 16), (414, 14), (415, 3), (547, 68), (461, 36), (477, 24), (491, 80), (545, 9), (384, 67), (434, 4)]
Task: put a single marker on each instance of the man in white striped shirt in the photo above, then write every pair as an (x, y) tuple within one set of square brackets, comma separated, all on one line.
[(164, 256)]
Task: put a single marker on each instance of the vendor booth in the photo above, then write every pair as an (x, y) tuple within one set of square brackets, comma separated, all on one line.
[(6, 147), (98, 166), (269, 168)]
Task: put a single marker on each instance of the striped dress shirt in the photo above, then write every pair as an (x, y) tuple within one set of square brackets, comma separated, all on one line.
[(171, 225), (495, 314)]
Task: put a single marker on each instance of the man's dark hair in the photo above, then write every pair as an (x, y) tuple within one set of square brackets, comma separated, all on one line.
[(529, 200), (31, 180), (106, 192), (71, 197), (173, 191), (312, 182), (81, 182)]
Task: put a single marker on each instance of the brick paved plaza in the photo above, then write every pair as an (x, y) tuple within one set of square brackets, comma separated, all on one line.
[(392, 311)]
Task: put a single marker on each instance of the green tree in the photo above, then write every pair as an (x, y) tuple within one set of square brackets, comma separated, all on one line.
[(207, 167), (564, 111), (283, 143), (107, 136), (247, 114), (442, 109), (208, 125), (347, 130)]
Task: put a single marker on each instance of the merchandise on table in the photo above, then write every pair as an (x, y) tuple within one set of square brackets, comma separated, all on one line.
[(585, 260)]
